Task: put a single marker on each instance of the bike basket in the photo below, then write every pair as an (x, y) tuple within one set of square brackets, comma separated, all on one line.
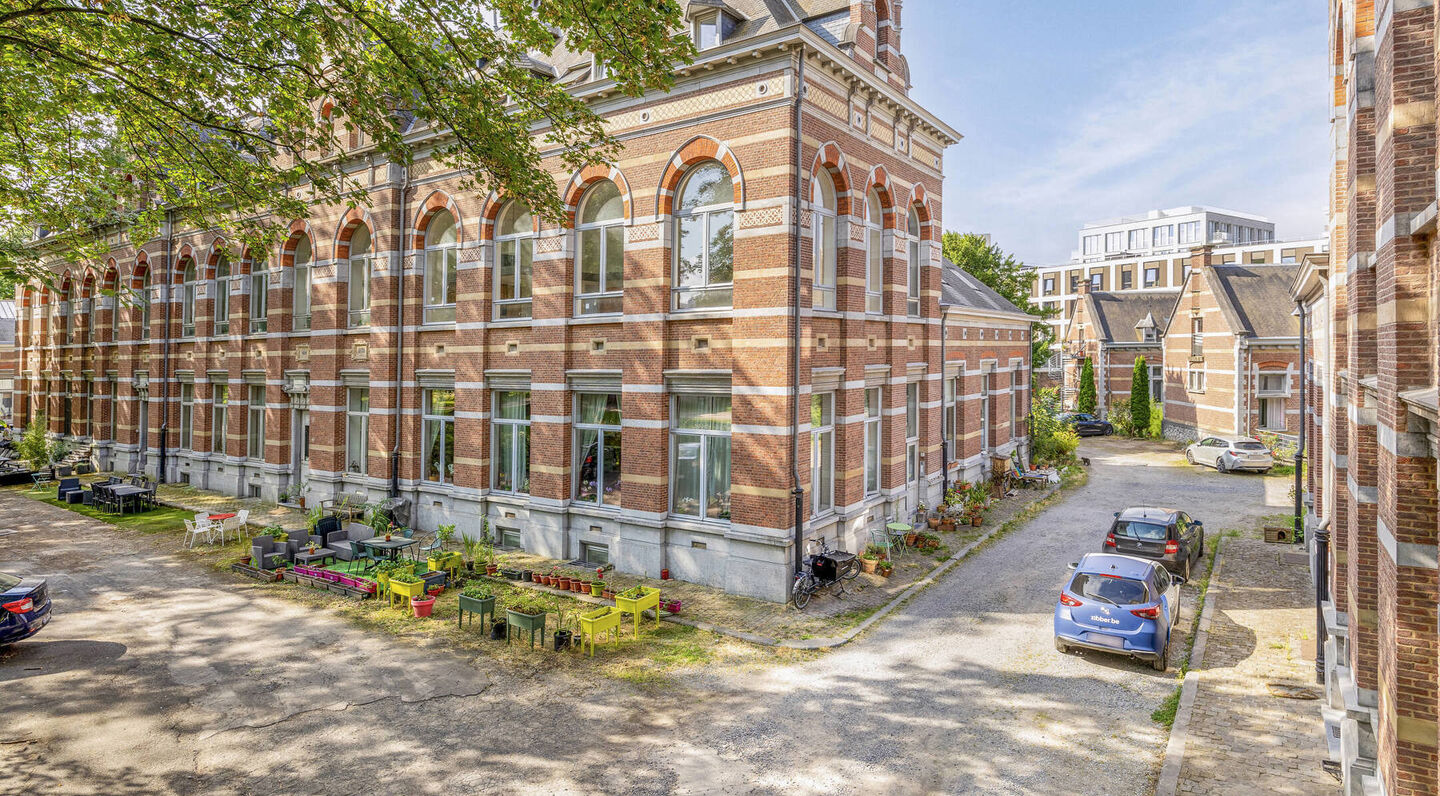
[(824, 568)]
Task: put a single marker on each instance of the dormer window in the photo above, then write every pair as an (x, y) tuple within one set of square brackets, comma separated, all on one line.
[(597, 69), (712, 29)]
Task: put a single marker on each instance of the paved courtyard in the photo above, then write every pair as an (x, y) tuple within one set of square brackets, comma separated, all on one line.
[(159, 677)]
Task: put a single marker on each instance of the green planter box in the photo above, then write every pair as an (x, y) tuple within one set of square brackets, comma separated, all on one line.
[(634, 605), (477, 605), (515, 620)]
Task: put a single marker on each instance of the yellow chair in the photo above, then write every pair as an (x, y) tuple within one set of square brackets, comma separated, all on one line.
[(597, 623)]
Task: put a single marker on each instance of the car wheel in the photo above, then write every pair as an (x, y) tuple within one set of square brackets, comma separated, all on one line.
[(1186, 573), (1109, 430), (1060, 645), (1162, 662), (1220, 465), (1189, 457)]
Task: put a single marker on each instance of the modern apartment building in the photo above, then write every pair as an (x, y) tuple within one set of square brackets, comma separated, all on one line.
[(725, 335), (1178, 229), (1371, 407)]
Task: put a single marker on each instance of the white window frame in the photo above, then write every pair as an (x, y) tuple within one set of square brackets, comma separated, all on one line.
[(823, 231), (822, 453), (1195, 380), (187, 415), (1152, 276), (709, 215), (602, 430), (300, 294), (914, 246), (442, 311), (220, 324), (145, 304), (518, 306), (187, 298), (912, 432), (874, 436), (520, 477), (359, 281), (703, 462), (1114, 242), (219, 415), (1157, 383), (1262, 391), (428, 419), (1137, 239), (949, 417), (357, 426), (255, 423), (259, 298), (874, 253), (603, 228)]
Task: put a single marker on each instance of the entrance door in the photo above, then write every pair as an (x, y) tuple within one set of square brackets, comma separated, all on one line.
[(300, 445), (143, 435)]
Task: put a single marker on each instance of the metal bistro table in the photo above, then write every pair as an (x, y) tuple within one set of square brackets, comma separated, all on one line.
[(390, 548), (125, 492)]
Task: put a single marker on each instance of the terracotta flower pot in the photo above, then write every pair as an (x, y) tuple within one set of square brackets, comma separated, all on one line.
[(422, 608), (607, 594), (579, 585), (947, 525), (975, 521), (491, 569), (535, 577), (867, 565), (885, 573), (910, 538), (563, 583), (933, 522)]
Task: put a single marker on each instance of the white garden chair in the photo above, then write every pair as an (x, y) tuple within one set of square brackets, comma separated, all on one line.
[(195, 530), (236, 524)]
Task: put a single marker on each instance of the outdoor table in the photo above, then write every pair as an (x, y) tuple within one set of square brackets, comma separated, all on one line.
[(320, 554), (390, 548), (897, 531), (222, 517), (125, 492)]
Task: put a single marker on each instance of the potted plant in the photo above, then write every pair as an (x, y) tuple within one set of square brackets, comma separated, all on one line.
[(672, 606), (868, 561), (597, 586), (275, 532), (477, 600), (422, 606), (406, 584), (527, 613), (562, 581), (635, 600), (885, 568), (563, 637)]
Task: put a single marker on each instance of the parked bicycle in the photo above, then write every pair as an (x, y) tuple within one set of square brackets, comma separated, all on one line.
[(825, 569)]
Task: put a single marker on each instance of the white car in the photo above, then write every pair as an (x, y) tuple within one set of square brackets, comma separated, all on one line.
[(1231, 453)]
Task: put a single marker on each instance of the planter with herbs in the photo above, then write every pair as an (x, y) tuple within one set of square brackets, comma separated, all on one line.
[(523, 613), (635, 600), (477, 600)]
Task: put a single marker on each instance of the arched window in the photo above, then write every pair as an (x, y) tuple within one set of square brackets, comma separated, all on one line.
[(144, 302), (601, 261), (514, 254), (222, 295), (441, 264), (359, 302), (259, 296), (187, 299), (705, 239), (874, 258), (65, 310), (912, 273), (822, 226), (303, 279)]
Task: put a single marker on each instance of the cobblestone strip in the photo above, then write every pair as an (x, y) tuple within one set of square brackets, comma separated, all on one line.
[(1180, 728)]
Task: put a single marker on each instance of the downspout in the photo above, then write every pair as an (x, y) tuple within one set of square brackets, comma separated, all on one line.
[(944, 377), (399, 332), (165, 350), (796, 491)]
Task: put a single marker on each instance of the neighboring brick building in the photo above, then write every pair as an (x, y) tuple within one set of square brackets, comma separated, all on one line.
[(1231, 352), (446, 346), (1372, 408), (1112, 330)]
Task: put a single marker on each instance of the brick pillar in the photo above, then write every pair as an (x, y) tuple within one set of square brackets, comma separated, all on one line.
[(1405, 91)]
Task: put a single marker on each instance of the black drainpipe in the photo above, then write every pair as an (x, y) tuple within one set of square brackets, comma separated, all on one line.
[(944, 377), (796, 491), (399, 334), (165, 349)]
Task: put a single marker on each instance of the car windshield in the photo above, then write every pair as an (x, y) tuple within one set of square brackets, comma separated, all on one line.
[(1109, 589), (8, 581), (1249, 446), (1144, 531)]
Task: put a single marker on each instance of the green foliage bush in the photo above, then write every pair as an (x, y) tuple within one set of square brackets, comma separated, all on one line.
[(32, 445), (1120, 417), (1052, 442), (1085, 401)]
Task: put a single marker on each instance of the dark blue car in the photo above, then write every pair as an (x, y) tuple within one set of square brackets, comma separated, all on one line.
[(24, 608), (1121, 605)]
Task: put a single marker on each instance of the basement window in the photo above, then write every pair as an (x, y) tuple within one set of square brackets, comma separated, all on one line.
[(597, 554)]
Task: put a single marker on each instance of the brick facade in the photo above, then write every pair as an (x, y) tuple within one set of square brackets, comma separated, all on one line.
[(146, 397)]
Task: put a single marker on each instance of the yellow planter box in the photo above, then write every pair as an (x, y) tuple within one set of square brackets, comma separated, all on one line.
[(634, 605), (449, 562), (402, 592), (597, 623)]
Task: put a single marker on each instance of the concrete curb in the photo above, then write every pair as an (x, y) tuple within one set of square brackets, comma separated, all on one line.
[(1169, 783)]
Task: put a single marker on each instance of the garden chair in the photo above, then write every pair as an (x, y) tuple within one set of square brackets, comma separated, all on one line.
[(42, 478), (195, 529), (236, 524), (880, 538), (1027, 480), (424, 550)]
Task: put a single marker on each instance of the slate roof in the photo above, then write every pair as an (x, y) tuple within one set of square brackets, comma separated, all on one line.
[(1116, 314), (958, 288), (1256, 298)]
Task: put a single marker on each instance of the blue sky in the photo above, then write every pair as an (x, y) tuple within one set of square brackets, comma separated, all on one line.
[(1079, 111)]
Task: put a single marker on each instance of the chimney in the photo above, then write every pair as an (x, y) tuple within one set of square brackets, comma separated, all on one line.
[(1202, 257), (1083, 288)]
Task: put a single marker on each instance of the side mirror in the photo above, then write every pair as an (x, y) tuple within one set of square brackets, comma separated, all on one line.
[(1072, 566), (1196, 522), (1117, 514), (1178, 580)]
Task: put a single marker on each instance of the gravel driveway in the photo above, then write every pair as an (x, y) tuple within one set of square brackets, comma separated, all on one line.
[(159, 678)]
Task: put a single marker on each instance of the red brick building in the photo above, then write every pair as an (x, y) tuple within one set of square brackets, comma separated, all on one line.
[(1371, 408), (722, 325), (1112, 330), (1232, 352)]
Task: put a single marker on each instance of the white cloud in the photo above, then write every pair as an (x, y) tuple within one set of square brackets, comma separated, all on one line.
[(1224, 116)]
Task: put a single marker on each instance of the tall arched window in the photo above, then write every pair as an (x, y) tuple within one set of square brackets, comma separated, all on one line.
[(303, 280), (259, 296), (65, 310), (912, 273), (144, 302), (222, 295), (514, 257), (705, 239), (360, 257), (874, 258), (187, 299), (442, 255), (822, 226), (601, 261)]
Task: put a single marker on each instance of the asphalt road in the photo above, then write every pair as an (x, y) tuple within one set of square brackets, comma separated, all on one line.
[(158, 678)]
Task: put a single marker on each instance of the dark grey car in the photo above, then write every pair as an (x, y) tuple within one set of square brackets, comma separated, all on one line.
[(1168, 536)]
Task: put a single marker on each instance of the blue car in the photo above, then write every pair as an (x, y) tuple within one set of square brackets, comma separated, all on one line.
[(24, 608), (1121, 605)]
